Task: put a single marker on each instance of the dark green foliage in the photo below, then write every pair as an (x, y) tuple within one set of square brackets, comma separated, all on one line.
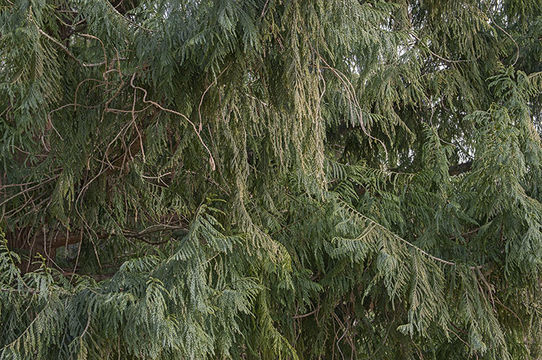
[(270, 179)]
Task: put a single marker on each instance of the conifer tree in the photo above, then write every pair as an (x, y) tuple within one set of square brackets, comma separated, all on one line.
[(270, 179)]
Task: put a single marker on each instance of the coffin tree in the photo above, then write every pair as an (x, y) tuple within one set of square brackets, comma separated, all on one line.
[(270, 179)]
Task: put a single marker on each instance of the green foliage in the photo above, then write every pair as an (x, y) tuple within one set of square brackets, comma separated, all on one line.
[(270, 179)]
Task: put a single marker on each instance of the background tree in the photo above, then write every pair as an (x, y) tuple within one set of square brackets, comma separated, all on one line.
[(263, 179)]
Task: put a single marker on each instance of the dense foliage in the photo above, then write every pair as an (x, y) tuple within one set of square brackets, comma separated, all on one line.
[(270, 179)]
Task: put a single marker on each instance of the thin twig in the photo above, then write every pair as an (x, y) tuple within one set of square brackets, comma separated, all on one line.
[(307, 314), (435, 54), (67, 51), (211, 159), (205, 92), (30, 188), (447, 262), (354, 99)]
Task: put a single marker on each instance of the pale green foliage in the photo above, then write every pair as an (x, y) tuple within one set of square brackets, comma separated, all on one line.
[(271, 179)]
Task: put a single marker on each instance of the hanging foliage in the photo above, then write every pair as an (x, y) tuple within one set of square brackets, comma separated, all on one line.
[(270, 179)]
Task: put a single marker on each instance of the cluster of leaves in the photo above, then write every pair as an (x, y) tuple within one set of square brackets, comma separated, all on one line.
[(266, 179)]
